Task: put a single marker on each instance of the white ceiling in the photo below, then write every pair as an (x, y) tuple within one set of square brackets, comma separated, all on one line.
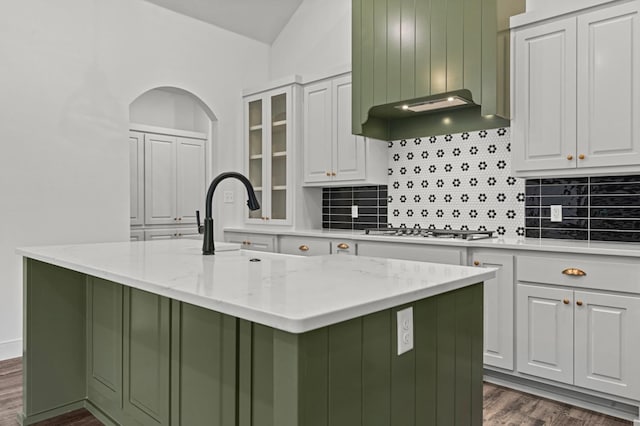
[(258, 19)]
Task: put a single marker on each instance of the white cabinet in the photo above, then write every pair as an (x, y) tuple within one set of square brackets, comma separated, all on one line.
[(576, 93), (136, 235), (247, 241), (343, 247), (417, 252), (498, 307), (332, 155), (577, 322), (169, 233), (304, 246), (136, 177), (269, 131), (174, 179)]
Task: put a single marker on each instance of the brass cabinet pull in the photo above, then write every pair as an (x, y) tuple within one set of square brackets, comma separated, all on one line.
[(581, 156), (343, 246), (565, 301), (179, 218), (303, 248), (569, 157), (575, 272), (333, 173), (476, 263), (579, 303), (328, 173)]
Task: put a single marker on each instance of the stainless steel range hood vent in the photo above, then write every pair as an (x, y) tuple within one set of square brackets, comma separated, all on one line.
[(435, 104)]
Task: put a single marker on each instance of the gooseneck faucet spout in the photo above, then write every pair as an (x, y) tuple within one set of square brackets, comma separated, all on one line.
[(252, 203)]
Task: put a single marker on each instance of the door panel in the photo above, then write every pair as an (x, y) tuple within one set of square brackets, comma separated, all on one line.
[(191, 192), (349, 150), (545, 332), (160, 179), (317, 132), (609, 86), (606, 343), (136, 177)]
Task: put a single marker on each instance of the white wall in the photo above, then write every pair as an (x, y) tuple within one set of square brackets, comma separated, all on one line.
[(69, 70), (317, 40), (170, 109)]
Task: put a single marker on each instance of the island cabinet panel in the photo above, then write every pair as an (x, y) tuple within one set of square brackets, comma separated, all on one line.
[(54, 369), (146, 358), (104, 349), (350, 374), (203, 366)]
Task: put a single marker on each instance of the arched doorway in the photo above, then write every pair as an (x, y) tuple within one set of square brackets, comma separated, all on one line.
[(170, 145)]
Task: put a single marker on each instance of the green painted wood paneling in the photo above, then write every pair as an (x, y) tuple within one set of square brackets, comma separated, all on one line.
[(314, 377), (394, 52), (104, 349), (472, 48), (407, 49), (356, 67), (403, 377), (262, 375), (379, 52), (438, 29), (367, 54), (376, 358), (489, 57), (423, 48), (426, 339), (146, 358), (245, 370), (463, 359), (477, 352), (206, 350), (446, 360), (286, 387), (455, 45), (54, 362), (345, 373)]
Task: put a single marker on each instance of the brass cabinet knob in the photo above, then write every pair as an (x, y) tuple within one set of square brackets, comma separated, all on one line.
[(179, 218), (333, 173), (476, 263), (565, 301), (303, 248), (575, 272), (581, 156), (328, 173), (343, 246), (579, 303), (569, 157), (179, 235)]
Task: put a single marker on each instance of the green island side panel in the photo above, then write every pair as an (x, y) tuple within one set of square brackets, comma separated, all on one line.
[(54, 369), (350, 374)]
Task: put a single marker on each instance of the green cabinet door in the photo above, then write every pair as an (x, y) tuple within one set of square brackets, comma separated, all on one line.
[(104, 345), (146, 347)]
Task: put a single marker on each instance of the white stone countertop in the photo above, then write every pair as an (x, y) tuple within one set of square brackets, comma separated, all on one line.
[(535, 244), (290, 293)]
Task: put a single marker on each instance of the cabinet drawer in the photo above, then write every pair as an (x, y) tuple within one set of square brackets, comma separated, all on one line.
[(417, 252), (614, 276), (343, 247), (305, 246)]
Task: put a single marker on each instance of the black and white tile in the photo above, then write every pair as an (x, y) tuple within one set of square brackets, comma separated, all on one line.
[(458, 181), (593, 208), (371, 202)]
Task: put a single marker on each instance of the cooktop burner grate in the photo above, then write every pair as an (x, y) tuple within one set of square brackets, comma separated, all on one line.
[(431, 233)]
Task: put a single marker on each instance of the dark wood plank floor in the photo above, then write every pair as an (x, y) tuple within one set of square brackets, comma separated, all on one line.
[(502, 406)]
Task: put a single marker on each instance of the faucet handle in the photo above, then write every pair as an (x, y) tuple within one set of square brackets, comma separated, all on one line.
[(200, 227)]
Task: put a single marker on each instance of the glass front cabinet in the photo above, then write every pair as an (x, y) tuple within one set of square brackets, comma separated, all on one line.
[(268, 152)]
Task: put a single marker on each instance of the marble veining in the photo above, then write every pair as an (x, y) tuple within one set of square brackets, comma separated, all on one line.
[(291, 293)]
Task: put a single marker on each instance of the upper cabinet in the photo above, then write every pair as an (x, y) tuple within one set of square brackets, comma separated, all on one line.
[(174, 179), (576, 93), (136, 177), (332, 154), (415, 52), (269, 130)]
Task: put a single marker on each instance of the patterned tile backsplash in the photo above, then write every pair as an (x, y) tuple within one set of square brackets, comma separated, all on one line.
[(371, 202), (593, 208), (459, 181)]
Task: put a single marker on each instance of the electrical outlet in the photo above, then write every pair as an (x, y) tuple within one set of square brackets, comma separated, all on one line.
[(354, 211), (556, 213), (228, 196), (405, 330)]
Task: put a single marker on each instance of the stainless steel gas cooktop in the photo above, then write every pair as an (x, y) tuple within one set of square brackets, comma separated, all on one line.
[(431, 233)]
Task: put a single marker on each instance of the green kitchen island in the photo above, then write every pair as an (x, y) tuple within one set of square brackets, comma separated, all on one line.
[(154, 333)]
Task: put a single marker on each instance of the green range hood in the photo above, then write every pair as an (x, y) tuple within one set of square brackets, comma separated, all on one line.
[(427, 67)]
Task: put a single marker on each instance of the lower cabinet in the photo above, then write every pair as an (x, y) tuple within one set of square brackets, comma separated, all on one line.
[(304, 246), (128, 353), (498, 307), (257, 242), (170, 233), (588, 339), (418, 252)]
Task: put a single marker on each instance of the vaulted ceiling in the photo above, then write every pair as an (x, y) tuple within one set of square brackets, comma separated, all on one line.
[(261, 20)]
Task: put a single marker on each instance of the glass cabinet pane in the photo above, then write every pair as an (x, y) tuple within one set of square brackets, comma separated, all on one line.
[(255, 153), (279, 157)]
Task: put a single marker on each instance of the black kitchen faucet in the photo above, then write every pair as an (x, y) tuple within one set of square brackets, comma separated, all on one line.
[(252, 203)]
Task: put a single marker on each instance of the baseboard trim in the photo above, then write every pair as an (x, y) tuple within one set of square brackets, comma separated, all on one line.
[(55, 412), (10, 349), (578, 399)]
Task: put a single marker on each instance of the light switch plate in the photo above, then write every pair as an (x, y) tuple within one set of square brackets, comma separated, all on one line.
[(354, 211), (405, 330), (228, 196), (556, 213)]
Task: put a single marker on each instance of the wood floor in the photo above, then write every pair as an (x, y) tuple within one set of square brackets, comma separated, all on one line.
[(501, 407)]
